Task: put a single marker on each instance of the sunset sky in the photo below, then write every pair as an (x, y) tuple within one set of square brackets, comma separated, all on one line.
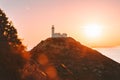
[(33, 20)]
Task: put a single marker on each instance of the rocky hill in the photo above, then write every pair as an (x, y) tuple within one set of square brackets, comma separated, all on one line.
[(67, 59)]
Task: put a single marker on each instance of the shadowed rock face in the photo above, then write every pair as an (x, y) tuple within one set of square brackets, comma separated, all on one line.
[(67, 59)]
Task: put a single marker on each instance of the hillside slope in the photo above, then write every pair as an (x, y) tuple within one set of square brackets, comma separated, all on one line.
[(67, 59)]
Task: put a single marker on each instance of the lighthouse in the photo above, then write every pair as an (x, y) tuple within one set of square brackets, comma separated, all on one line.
[(56, 35), (53, 31)]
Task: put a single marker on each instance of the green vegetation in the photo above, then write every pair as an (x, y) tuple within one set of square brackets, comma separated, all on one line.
[(12, 52)]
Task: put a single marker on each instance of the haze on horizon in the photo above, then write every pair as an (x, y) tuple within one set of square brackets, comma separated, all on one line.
[(33, 19)]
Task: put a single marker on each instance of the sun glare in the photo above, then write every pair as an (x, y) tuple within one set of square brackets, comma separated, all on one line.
[(92, 30)]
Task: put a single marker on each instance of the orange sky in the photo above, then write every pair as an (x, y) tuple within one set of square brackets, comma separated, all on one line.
[(33, 19)]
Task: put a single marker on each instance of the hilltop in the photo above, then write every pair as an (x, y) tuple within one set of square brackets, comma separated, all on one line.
[(67, 59)]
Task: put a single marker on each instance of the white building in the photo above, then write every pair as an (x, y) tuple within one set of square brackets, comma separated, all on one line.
[(55, 35)]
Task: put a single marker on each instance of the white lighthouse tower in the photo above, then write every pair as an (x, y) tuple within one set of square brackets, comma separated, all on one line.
[(53, 31), (56, 35)]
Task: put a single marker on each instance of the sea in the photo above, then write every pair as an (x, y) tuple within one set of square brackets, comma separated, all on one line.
[(113, 52)]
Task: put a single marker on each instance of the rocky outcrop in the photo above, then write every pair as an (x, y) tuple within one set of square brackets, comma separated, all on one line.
[(67, 59)]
